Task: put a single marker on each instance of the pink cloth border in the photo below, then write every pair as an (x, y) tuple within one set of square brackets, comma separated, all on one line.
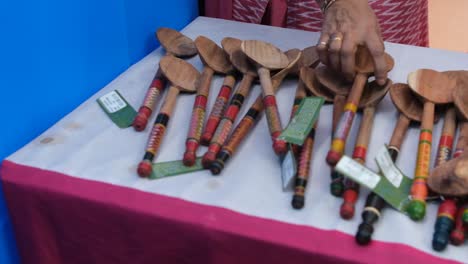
[(63, 219)]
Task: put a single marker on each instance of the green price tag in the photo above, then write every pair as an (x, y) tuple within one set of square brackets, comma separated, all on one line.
[(397, 197), (117, 109), (173, 168), (301, 125)]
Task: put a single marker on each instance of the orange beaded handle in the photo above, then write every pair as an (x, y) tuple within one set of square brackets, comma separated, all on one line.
[(149, 102), (225, 126), (217, 110), (419, 190)]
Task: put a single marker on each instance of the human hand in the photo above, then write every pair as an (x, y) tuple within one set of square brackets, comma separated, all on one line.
[(348, 24)]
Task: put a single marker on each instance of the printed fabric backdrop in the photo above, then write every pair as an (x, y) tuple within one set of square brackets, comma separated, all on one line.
[(401, 21)]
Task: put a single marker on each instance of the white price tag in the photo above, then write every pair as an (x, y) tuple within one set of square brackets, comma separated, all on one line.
[(388, 168), (112, 102), (357, 172), (288, 171)]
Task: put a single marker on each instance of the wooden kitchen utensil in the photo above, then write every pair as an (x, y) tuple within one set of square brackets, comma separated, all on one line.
[(370, 99), (410, 109), (243, 65), (176, 44), (434, 88), (364, 68), (246, 124), (183, 77), (230, 46), (215, 60), (267, 57)]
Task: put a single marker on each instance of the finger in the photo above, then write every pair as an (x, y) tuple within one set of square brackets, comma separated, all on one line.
[(348, 57), (322, 48), (377, 49), (334, 51)]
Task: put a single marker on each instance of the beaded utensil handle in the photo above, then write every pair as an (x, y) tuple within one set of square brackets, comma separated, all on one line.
[(271, 110), (351, 191), (457, 236), (230, 116), (198, 117), (346, 121), (462, 143), (419, 190), (149, 102), (374, 203), (448, 208), (238, 135), (300, 94), (303, 170), (218, 109), (157, 133), (337, 185)]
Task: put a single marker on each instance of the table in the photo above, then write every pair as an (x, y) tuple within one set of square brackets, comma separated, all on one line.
[(74, 195)]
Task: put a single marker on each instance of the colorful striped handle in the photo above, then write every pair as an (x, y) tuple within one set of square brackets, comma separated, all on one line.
[(457, 236), (149, 102), (374, 203), (337, 184), (346, 121), (303, 170), (351, 191), (157, 133), (198, 117), (225, 126), (444, 150), (417, 207), (271, 111), (218, 109), (444, 224)]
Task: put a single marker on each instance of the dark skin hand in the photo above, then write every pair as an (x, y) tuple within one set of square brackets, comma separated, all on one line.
[(348, 24)]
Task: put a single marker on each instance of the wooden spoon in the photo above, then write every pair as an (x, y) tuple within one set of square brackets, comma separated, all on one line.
[(410, 109), (267, 57), (434, 88), (369, 101), (215, 60), (246, 124), (175, 44), (183, 77), (243, 65), (364, 68)]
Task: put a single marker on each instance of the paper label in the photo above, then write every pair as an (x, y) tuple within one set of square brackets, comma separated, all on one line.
[(303, 121), (388, 168), (173, 168), (354, 170), (288, 170), (117, 109), (113, 102)]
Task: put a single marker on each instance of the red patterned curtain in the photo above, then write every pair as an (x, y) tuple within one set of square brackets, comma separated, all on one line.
[(402, 21)]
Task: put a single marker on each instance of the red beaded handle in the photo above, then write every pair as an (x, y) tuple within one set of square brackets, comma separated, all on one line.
[(157, 133), (457, 236), (198, 117), (149, 102), (444, 150), (218, 109), (225, 126), (346, 121), (271, 111), (351, 191)]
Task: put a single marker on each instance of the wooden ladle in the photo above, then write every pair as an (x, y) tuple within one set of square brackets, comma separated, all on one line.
[(410, 109), (240, 61), (451, 178), (433, 88), (364, 68), (176, 44), (215, 60), (369, 101), (183, 77), (268, 57), (246, 124)]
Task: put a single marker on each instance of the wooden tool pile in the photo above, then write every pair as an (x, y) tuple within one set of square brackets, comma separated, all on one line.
[(419, 101)]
